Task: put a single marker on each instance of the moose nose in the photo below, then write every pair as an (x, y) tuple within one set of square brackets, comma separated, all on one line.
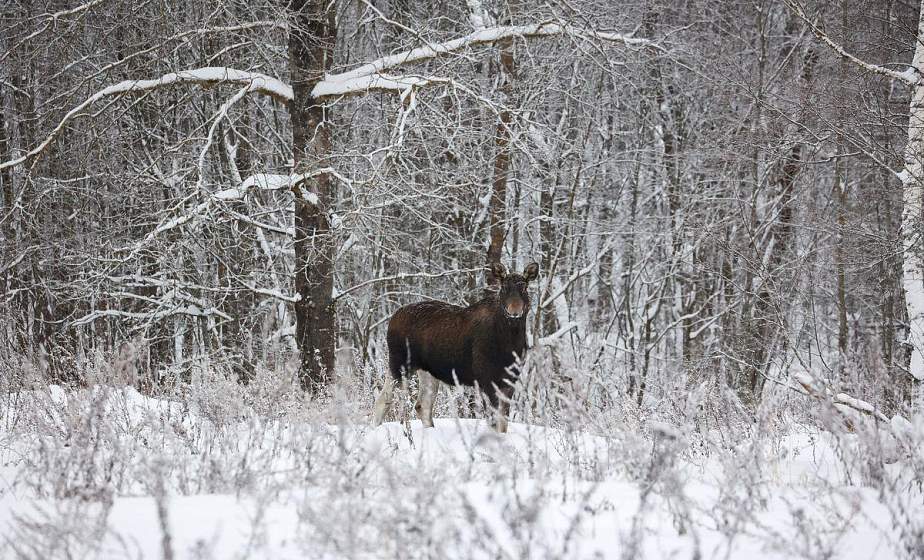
[(514, 309)]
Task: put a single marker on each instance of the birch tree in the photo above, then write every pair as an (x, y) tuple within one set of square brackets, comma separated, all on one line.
[(911, 176)]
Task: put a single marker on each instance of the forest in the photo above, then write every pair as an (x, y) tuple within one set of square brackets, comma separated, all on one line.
[(211, 209)]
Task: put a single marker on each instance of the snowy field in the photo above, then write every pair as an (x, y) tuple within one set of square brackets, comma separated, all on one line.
[(223, 471)]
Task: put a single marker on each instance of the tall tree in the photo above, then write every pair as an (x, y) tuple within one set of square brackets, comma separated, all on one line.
[(497, 213), (312, 38)]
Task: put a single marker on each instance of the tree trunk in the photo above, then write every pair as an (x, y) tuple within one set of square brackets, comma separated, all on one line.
[(498, 203), (311, 47), (840, 194), (913, 186), (840, 266)]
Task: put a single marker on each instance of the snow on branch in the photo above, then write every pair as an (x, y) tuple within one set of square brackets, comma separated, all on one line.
[(190, 310), (909, 76), (175, 301), (374, 82), (263, 181), (179, 289), (813, 388), (366, 77), (565, 329), (274, 182), (371, 75), (550, 299), (571, 280), (51, 20), (254, 82)]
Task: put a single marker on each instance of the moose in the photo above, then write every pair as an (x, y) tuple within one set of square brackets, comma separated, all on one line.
[(476, 346)]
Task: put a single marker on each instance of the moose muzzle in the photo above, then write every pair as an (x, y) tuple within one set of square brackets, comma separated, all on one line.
[(514, 308)]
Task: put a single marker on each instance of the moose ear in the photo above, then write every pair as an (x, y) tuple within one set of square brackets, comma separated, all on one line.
[(498, 270), (531, 272)]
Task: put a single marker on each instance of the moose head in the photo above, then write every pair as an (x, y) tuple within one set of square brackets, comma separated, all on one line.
[(513, 295)]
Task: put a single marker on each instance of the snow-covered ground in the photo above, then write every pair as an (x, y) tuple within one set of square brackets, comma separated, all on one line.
[(110, 473)]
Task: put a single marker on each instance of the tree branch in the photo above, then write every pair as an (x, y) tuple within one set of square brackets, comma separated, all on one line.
[(255, 82), (909, 76), (402, 276)]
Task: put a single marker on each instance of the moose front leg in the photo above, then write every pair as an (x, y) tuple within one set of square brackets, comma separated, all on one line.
[(499, 397), (503, 409)]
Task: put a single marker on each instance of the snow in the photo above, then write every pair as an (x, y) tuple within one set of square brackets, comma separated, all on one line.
[(255, 81), (477, 16), (268, 182), (334, 86), (558, 302), (909, 76), (343, 490)]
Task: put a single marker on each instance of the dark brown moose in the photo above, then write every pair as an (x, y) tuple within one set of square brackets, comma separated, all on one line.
[(476, 345)]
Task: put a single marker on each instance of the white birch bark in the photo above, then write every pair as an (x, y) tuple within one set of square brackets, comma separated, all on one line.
[(912, 182)]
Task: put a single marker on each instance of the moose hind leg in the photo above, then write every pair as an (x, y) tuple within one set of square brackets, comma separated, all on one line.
[(428, 387), (404, 401), (383, 402)]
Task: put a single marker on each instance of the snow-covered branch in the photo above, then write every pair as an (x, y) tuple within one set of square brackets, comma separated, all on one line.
[(909, 76), (812, 388), (367, 77), (374, 82), (275, 182), (575, 276), (565, 329), (564, 287), (190, 310), (52, 19), (263, 181), (371, 75), (254, 82)]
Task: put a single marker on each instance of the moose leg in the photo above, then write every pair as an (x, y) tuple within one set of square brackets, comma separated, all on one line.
[(405, 396), (428, 387), (490, 393), (434, 391), (503, 409), (383, 402), (502, 399)]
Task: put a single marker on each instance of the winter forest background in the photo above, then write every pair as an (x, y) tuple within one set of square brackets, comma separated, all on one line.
[(210, 209)]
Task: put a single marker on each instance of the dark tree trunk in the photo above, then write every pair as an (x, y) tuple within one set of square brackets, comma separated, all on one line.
[(6, 198), (765, 318), (498, 202), (311, 48)]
